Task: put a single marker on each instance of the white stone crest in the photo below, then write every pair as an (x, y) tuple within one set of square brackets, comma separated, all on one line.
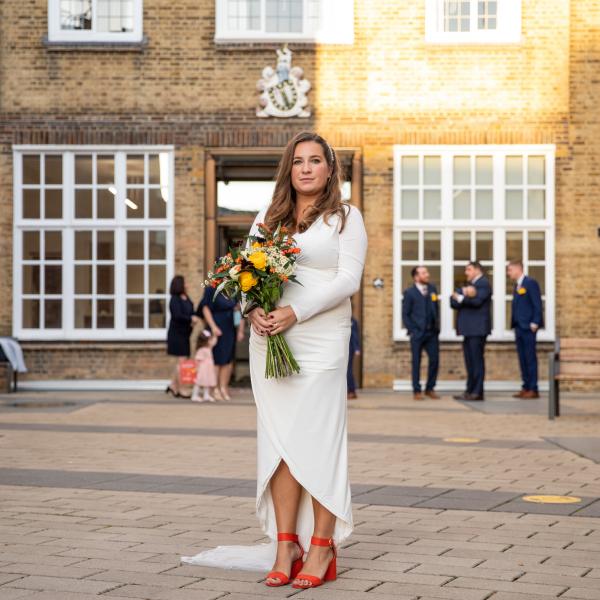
[(283, 89)]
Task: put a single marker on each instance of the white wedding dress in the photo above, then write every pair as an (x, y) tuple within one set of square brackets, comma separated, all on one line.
[(302, 419)]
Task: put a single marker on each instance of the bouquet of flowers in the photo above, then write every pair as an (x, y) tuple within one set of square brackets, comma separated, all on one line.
[(255, 272)]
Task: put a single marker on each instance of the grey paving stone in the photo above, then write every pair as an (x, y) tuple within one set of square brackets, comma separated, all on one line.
[(62, 584)]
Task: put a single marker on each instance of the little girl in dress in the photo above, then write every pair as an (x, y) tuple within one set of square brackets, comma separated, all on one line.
[(205, 368)]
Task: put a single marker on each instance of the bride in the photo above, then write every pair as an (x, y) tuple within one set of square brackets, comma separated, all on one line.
[(303, 493)]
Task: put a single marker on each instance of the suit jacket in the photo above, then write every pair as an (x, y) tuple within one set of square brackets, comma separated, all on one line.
[(474, 315), (527, 305), (414, 309), (354, 337)]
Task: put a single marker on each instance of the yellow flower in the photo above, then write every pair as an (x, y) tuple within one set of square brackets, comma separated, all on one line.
[(258, 259), (521, 291), (257, 245), (434, 298), (247, 281)]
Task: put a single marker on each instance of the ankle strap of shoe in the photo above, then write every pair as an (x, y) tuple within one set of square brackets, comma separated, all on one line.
[(287, 537), (317, 541)]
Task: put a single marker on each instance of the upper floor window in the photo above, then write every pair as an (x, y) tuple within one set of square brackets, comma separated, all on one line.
[(473, 21), (95, 20), (330, 21)]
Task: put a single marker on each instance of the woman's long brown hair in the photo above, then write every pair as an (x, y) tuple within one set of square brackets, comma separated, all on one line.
[(282, 207)]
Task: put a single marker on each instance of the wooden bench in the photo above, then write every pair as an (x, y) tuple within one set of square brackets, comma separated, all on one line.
[(573, 359)]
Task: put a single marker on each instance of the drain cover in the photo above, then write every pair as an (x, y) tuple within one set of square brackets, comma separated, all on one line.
[(57, 404)]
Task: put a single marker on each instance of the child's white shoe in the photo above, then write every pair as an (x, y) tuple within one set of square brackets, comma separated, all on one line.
[(209, 398), (198, 399)]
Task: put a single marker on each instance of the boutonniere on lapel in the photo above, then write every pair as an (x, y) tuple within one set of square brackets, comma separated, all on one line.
[(434, 297), (521, 291)]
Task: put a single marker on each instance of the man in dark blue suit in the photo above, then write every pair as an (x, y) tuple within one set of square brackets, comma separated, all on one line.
[(421, 316), (527, 317), (474, 323)]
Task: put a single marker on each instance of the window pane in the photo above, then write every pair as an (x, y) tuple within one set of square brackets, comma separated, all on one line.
[(83, 204), (53, 245), (483, 170), (536, 170), (432, 208), (83, 245), (53, 174), (462, 245), (105, 279), (410, 170), (158, 277), (410, 204), (158, 245), (52, 316), (514, 204), (410, 245), (135, 314), (432, 245), (105, 167), (31, 204), (83, 168), (539, 274), (31, 279), (284, 16), (514, 170), (53, 279), (53, 204), (135, 245), (156, 310), (484, 204), (536, 201), (75, 14), (153, 169), (105, 249), (115, 16), (135, 168), (462, 204), (31, 245), (156, 205), (407, 279), (83, 279), (105, 314), (135, 203), (135, 279), (83, 314), (460, 278), (31, 314), (434, 276), (106, 204), (537, 245), (484, 245), (31, 168), (514, 245), (432, 170), (462, 170)]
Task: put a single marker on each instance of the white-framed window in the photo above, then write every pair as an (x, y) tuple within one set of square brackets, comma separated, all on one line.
[(93, 241), (454, 204), (95, 20), (472, 21), (325, 21)]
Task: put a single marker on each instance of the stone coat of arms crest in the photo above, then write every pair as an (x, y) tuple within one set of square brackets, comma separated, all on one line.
[(283, 89)]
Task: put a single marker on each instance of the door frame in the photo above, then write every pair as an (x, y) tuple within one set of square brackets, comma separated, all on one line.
[(350, 155)]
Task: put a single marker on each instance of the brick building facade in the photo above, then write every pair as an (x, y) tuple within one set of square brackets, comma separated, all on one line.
[(480, 144)]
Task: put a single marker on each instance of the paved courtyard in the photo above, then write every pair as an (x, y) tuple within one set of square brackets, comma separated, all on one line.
[(102, 492)]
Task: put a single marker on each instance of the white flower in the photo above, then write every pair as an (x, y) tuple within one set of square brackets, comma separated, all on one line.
[(234, 272)]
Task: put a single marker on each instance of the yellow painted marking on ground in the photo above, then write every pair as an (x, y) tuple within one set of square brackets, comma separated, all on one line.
[(462, 440), (552, 499)]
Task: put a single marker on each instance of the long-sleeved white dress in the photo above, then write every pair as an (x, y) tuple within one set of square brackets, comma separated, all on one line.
[(302, 419)]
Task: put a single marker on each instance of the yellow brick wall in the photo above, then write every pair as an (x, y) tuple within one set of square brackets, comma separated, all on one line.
[(388, 88)]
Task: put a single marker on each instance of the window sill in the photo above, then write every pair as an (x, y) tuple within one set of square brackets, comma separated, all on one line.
[(94, 46), (444, 39)]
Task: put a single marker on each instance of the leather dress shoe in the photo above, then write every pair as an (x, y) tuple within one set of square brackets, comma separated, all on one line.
[(467, 396), (529, 395), (519, 394), (417, 396), (431, 394)]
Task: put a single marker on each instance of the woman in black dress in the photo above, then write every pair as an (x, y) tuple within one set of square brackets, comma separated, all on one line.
[(218, 313), (180, 329)]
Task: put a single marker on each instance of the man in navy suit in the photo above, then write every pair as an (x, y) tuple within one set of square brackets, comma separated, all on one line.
[(474, 323), (527, 318), (421, 316)]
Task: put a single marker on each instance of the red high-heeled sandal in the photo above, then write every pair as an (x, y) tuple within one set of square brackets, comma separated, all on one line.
[(296, 565), (330, 574)]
